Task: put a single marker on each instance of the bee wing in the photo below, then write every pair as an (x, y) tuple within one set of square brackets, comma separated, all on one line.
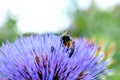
[(65, 33)]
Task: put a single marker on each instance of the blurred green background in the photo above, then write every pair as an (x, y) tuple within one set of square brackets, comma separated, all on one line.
[(104, 28), (98, 25)]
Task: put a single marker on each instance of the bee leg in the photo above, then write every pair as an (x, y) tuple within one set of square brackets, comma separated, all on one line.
[(72, 50), (71, 53), (67, 50)]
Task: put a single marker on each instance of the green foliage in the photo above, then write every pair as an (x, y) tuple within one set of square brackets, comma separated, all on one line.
[(9, 30)]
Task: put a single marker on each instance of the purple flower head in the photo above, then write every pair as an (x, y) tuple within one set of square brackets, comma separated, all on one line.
[(43, 57)]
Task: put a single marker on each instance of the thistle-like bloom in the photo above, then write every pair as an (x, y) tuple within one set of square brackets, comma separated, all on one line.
[(42, 57)]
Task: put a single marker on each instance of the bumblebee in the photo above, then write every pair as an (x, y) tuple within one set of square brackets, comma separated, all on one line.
[(68, 42)]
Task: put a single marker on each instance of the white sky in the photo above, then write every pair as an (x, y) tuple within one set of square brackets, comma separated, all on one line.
[(44, 15), (103, 4)]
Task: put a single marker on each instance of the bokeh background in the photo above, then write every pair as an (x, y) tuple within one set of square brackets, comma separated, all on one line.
[(97, 20)]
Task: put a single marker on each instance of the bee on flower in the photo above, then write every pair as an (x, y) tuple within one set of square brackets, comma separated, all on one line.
[(41, 57)]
